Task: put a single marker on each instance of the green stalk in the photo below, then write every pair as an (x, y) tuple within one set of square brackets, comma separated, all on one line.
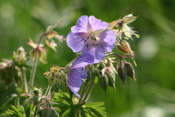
[(32, 76), (82, 93), (24, 79), (89, 89), (35, 111), (48, 90)]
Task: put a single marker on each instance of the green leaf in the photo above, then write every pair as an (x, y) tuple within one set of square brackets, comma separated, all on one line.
[(27, 109), (95, 108), (14, 112), (17, 111)]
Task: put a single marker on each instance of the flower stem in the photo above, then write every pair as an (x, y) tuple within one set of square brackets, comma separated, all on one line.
[(88, 92), (48, 90), (35, 111), (32, 76), (24, 79), (33, 70), (82, 93)]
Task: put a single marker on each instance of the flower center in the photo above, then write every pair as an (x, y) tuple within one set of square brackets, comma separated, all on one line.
[(91, 39)]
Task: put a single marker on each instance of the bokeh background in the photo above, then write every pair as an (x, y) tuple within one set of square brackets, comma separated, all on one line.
[(152, 95)]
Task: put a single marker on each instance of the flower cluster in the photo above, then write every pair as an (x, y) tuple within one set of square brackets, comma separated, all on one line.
[(94, 39)]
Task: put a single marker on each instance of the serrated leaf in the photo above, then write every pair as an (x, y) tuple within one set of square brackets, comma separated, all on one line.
[(96, 108), (17, 111)]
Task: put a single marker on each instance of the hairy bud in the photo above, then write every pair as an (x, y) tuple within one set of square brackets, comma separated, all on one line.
[(104, 82), (130, 70), (125, 47), (121, 73)]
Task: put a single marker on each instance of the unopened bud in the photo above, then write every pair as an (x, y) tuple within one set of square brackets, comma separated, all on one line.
[(47, 112), (36, 97), (125, 47), (51, 81), (130, 70), (111, 79), (121, 73), (54, 113), (104, 82)]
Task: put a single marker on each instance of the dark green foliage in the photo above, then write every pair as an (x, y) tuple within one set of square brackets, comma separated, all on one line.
[(68, 107)]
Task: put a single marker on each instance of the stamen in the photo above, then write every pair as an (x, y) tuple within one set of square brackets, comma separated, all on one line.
[(81, 75), (82, 69), (84, 40)]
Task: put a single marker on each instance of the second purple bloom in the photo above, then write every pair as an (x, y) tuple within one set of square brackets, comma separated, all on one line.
[(90, 35)]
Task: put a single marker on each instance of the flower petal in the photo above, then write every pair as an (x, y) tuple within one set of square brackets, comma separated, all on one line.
[(97, 24), (83, 60), (75, 81), (97, 51), (75, 42), (108, 39), (81, 26)]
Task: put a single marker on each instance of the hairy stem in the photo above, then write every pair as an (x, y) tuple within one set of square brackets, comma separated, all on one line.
[(89, 89), (48, 90), (35, 111), (82, 93), (32, 76), (24, 79)]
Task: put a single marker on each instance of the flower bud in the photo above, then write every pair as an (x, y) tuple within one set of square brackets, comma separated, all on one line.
[(35, 98), (47, 112), (130, 70), (51, 81), (55, 74), (111, 79), (104, 82), (54, 113), (121, 73), (125, 47)]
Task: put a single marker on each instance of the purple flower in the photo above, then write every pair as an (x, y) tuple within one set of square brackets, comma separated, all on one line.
[(91, 35), (77, 72)]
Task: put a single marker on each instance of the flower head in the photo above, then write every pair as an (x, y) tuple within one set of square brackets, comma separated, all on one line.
[(77, 72), (122, 27), (91, 35)]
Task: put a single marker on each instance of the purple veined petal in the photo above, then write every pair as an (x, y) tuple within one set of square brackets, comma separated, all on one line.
[(97, 24), (75, 81), (82, 25), (97, 51), (108, 39), (75, 42), (83, 60)]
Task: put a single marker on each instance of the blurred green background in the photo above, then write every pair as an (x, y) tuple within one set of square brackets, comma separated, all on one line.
[(153, 95)]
